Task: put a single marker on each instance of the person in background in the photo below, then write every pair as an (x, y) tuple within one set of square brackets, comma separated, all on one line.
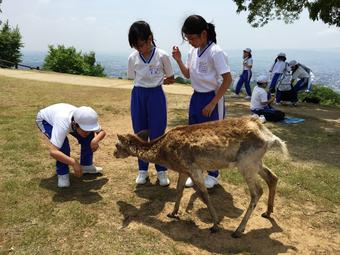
[(56, 122), (246, 74), (300, 79), (150, 68), (278, 68), (261, 100), (208, 68)]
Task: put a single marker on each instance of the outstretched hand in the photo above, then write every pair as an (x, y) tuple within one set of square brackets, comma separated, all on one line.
[(176, 53)]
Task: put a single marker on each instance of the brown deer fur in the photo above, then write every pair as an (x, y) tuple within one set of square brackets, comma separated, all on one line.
[(192, 150)]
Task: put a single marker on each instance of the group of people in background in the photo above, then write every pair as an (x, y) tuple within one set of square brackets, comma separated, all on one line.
[(149, 67)]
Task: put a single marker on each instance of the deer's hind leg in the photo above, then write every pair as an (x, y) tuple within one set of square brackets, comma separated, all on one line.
[(249, 173), (271, 180)]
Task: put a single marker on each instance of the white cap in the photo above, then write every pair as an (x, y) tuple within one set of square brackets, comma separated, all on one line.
[(292, 63), (262, 79), (281, 54), (86, 118), (247, 50)]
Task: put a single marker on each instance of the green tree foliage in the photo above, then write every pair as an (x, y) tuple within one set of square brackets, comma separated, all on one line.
[(10, 44), (68, 60), (262, 11)]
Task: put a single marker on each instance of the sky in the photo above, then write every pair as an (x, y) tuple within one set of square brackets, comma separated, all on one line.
[(102, 25)]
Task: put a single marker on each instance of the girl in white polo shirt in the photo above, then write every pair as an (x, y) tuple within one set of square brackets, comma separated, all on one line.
[(278, 68), (208, 68), (149, 67), (246, 74)]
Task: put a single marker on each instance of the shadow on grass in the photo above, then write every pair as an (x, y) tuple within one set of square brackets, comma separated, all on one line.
[(82, 189), (255, 242)]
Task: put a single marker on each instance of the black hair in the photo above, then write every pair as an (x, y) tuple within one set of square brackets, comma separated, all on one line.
[(282, 58), (139, 31), (249, 54), (196, 24)]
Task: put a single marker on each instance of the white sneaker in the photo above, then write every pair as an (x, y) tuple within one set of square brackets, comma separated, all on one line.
[(64, 181), (262, 119), (92, 169), (142, 177), (210, 181), (162, 178), (189, 183), (247, 97), (235, 95)]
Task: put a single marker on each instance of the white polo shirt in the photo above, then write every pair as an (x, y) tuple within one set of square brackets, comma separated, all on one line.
[(206, 67), (300, 73), (149, 73), (249, 62), (259, 95), (59, 116)]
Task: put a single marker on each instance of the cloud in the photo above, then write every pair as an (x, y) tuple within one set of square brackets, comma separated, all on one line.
[(44, 1), (329, 32), (90, 19)]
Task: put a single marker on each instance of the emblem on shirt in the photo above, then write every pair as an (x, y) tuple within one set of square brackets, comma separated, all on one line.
[(154, 70), (203, 67)]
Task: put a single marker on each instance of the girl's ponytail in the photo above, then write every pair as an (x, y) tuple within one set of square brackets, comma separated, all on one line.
[(211, 32)]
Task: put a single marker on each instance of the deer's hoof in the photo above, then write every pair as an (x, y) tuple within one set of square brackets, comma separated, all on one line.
[(236, 234), (266, 215), (173, 216), (214, 229)]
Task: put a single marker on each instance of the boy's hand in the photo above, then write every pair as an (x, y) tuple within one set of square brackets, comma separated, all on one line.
[(169, 80), (77, 169), (94, 145), (208, 109)]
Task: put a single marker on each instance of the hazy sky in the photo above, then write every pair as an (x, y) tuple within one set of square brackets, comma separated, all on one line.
[(102, 25)]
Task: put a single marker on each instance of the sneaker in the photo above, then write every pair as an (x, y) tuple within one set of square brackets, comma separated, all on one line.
[(163, 178), (92, 169), (247, 97), (63, 181), (262, 118), (189, 183), (235, 95), (210, 181), (142, 177)]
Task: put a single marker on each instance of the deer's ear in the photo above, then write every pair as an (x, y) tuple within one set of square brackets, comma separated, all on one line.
[(121, 138), (144, 134)]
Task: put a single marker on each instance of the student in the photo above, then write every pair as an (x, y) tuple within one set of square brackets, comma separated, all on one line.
[(149, 67), (278, 68), (246, 74), (300, 73), (207, 67), (59, 120), (261, 101)]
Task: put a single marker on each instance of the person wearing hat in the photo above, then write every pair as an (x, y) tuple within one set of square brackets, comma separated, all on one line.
[(279, 67), (261, 100), (56, 122), (246, 74), (300, 73)]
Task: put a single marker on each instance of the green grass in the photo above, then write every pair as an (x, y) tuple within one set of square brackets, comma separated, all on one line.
[(37, 218)]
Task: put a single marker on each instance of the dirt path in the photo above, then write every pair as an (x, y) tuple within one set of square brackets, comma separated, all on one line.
[(85, 80)]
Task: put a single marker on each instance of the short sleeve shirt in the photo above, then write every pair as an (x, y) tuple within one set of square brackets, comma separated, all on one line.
[(259, 95), (59, 116), (249, 62), (149, 73), (206, 67)]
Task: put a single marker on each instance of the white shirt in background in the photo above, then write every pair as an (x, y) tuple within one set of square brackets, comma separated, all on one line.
[(258, 96), (149, 74), (300, 73), (59, 116), (279, 67), (206, 70), (249, 62)]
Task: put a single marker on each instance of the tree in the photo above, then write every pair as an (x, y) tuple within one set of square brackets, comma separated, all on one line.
[(68, 60), (262, 11), (10, 44)]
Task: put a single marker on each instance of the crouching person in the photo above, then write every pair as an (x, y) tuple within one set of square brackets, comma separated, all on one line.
[(59, 120), (261, 101)]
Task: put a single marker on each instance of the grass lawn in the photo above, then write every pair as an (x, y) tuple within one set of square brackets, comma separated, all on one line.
[(107, 214)]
